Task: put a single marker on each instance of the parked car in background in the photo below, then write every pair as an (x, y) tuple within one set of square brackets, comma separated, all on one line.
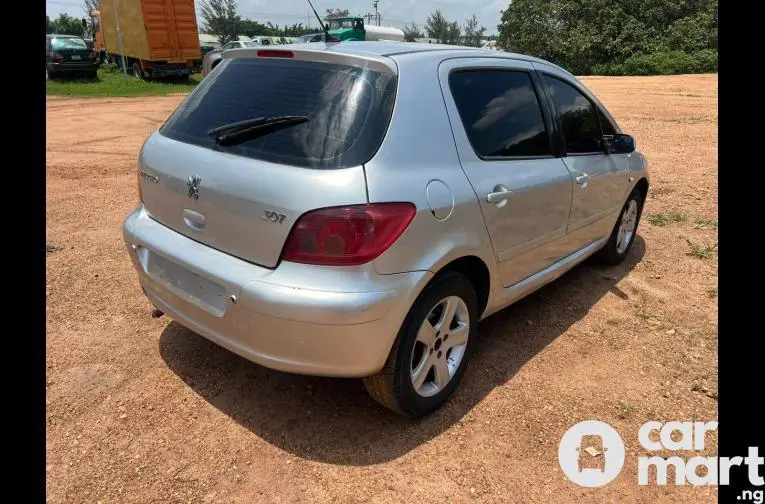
[(354, 210), (311, 37), (204, 49), (212, 58), (69, 55)]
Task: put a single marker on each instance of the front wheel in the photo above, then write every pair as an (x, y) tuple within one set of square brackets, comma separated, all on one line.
[(624, 232), (431, 350)]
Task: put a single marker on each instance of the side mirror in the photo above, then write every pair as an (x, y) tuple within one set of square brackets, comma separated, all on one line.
[(622, 144)]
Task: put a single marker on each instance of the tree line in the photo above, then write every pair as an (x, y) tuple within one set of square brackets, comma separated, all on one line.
[(221, 18), (615, 37), (64, 24), (447, 32)]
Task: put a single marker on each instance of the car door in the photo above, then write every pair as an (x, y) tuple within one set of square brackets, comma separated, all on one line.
[(503, 132), (598, 175)]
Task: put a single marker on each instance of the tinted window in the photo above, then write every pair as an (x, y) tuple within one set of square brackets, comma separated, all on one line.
[(579, 119), (349, 109), (500, 112), (606, 125), (68, 43)]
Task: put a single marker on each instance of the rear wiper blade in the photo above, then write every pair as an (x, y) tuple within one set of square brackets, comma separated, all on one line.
[(249, 129)]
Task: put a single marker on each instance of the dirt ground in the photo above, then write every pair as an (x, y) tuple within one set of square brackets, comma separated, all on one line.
[(142, 410)]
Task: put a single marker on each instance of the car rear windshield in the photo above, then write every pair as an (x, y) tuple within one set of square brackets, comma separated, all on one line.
[(348, 110), (67, 43)]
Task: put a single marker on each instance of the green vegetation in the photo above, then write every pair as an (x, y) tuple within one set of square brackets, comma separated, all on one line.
[(705, 224), (221, 18), (64, 24), (701, 251), (662, 219), (615, 37), (111, 82)]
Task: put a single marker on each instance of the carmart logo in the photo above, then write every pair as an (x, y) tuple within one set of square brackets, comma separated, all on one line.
[(591, 454), (591, 443)]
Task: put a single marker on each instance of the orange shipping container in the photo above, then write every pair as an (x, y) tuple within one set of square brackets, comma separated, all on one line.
[(152, 30)]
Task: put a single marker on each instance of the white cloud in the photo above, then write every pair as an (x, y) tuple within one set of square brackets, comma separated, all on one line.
[(394, 12)]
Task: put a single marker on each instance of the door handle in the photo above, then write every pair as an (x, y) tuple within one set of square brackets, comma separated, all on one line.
[(500, 195), (582, 179)]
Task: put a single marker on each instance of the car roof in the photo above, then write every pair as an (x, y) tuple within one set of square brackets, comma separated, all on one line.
[(440, 51)]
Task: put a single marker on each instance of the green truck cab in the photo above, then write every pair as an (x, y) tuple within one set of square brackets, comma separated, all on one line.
[(347, 28), (354, 29)]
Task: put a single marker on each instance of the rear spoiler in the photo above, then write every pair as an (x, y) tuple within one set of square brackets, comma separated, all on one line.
[(325, 55)]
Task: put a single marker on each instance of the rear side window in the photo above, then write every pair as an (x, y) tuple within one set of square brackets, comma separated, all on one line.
[(500, 112), (578, 117), (349, 109)]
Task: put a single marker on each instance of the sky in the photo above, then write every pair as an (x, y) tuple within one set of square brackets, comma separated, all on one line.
[(397, 13)]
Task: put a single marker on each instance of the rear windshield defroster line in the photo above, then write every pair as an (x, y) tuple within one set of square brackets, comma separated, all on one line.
[(349, 109)]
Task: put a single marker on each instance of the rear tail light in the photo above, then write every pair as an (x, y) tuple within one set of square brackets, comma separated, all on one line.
[(56, 56), (347, 236), (274, 53)]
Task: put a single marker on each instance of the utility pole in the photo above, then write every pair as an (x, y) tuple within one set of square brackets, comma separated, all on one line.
[(119, 39), (377, 14)]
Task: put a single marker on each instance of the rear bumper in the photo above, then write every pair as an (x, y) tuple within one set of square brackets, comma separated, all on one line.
[(68, 67), (295, 318), (168, 70)]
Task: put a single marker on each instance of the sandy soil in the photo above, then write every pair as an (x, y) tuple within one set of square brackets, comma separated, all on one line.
[(142, 410)]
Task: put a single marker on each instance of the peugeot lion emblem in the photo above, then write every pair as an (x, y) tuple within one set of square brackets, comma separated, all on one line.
[(193, 185)]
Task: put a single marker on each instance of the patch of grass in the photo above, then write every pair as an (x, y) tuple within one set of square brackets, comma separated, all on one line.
[(701, 251), (662, 219), (111, 82), (705, 224), (623, 410)]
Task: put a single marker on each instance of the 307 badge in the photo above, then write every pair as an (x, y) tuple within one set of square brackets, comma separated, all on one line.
[(274, 217)]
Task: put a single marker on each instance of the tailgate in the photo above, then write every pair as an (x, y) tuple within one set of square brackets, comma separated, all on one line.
[(226, 205)]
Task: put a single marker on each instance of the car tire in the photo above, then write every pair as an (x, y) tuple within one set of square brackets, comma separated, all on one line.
[(616, 249), (394, 386), (137, 72)]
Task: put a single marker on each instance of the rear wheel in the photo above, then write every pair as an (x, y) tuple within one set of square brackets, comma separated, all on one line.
[(624, 232), (137, 71), (431, 350)]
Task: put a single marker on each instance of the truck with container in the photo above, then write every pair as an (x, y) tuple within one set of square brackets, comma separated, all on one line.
[(353, 28), (152, 38)]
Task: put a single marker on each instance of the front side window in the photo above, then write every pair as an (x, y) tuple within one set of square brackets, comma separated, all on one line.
[(578, 117), (500, 112)]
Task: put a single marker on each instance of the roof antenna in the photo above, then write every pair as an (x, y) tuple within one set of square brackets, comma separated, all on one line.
[(323, 26)]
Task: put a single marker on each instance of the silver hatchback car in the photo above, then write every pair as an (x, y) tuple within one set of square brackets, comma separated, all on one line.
[(355, 209)]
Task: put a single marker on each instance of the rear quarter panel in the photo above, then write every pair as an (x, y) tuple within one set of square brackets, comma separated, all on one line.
[(419, 149)]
